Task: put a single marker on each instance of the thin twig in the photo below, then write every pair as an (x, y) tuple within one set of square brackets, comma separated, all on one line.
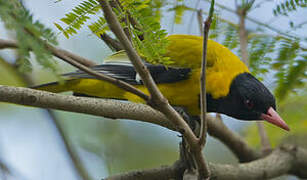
[(124, 19), (113, 44), (203, 100), (217, 129), (73, 156), (266, 147), (75, 57), (200, 21), (121, 84), (243, 36), (192, 18), (76, 161)]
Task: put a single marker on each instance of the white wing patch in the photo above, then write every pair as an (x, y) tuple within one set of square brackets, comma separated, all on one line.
[(124, 63), (138, 78)]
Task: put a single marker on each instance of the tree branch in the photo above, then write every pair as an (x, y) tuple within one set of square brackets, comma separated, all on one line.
[(120, 110), (200, 22), (203, 100), (157, 100), (287, 159), (204, 171), (165, 172), (73, 156), (100, 107)]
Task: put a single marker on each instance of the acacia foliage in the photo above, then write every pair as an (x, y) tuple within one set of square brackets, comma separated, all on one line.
[(30, 34), (140, 19), (288, 6)]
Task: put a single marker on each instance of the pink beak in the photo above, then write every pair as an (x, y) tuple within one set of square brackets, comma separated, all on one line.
[(274, 118)]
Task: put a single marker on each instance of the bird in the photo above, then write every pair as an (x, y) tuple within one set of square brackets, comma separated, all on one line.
[(231, 89)]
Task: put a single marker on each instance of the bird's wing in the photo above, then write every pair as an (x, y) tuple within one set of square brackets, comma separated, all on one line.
[(122, 69)]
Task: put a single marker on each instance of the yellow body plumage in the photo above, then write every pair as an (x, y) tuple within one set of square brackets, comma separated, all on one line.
[(186, 52)]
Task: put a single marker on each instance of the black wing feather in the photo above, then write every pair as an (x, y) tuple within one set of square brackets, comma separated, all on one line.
[(126, 72)]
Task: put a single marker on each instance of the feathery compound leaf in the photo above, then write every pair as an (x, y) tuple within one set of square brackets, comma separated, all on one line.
[(291, 66), (260, 48), (78, 17), (287, 52), (288, 6), (294, 77), (153, 43), (231, 37), (29, 34), (99, 27)]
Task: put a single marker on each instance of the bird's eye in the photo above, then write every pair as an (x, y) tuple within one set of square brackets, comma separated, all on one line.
[(249, 104)]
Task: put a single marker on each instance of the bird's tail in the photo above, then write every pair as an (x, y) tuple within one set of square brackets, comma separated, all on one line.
[(85, 87), (55, 87)]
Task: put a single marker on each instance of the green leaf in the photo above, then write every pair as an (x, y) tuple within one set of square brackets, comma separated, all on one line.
[(260, 49), (99, 27), (231, 39), (78, 17), (148, 38), (29, 34), (288, 6)]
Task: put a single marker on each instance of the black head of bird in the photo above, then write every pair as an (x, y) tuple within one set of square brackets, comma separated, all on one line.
[(248, 99)]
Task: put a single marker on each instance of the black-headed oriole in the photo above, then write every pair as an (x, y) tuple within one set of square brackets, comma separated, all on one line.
[(231, 89)]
